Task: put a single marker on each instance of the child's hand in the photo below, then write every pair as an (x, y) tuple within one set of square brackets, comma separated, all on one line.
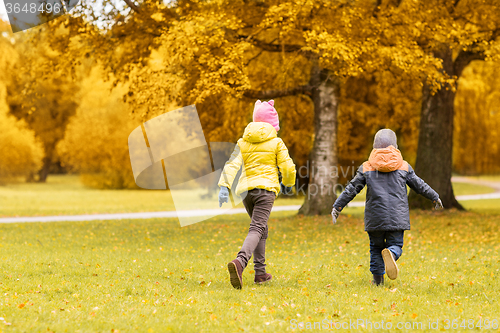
[(335, 215), (223, 195), (439, 204)]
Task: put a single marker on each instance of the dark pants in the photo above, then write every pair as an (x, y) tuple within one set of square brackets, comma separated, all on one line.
[(258, 203), (379, 240)]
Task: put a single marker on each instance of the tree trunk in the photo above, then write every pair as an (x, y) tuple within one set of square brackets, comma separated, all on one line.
[(323, 172), (435, 143), (47, 162)]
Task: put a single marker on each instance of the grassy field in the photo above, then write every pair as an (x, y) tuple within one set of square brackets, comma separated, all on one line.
[(65, 195), (490, 178), (153, 276)]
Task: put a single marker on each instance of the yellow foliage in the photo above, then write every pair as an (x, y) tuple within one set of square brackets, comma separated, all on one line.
[(477, 120), (386, 99), (95, 144), (20, 153), (42, 88), (208, 53)]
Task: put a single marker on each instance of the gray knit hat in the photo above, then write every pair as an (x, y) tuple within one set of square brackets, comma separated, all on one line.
[(385, 138)]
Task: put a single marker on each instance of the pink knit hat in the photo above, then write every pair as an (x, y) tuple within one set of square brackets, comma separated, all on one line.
[(265, 112)]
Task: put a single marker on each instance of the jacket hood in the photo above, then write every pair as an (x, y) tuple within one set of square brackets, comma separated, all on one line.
[(386, 159), (256, 132)]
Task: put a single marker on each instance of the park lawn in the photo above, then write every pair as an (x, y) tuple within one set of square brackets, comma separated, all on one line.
[(154, 276), (489, 178), (65, 195), (489, 206), (468, 189)]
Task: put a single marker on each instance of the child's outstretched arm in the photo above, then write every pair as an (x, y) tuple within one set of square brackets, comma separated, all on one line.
[(229, 172), (285, 165), (419, 186), (352, 189)]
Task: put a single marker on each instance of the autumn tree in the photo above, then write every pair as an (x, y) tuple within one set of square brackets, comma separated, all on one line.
[(213, 53), (454, 33), (95, 142), (476, 147), (20, 153), (215, 50), (43, 89), (383, 99)]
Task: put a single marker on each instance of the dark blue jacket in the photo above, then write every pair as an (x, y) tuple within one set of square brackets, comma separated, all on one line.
[(386, 175)]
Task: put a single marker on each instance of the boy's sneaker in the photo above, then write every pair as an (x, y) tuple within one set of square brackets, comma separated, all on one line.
[(235, 273), (263, 278), (378, 280), (391, 268)]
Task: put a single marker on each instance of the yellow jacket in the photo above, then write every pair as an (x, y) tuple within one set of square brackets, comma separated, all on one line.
[(261, 153)]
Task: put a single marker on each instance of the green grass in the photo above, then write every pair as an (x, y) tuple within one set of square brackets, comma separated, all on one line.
[(65, 195), (467, 189), (153, 276), (491, 178), (490, 206)]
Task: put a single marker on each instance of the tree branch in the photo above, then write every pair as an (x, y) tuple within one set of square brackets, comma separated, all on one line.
[(496, 34), (376, 10), (269, 47), (464, 58), (132, 5), (254, 57), (453, 8), (269, 94)]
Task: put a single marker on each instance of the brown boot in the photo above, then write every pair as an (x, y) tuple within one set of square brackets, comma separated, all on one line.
[(263, 278), (378, 280), (391, 268), (235, 273)]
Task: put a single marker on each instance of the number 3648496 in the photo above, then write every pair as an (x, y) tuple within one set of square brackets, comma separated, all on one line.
[(471, 324), (33, 8)]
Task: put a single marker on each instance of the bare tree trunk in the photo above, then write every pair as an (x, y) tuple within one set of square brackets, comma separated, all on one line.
[(43, 173), (30, 178), (435, 143), (323, 173)]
